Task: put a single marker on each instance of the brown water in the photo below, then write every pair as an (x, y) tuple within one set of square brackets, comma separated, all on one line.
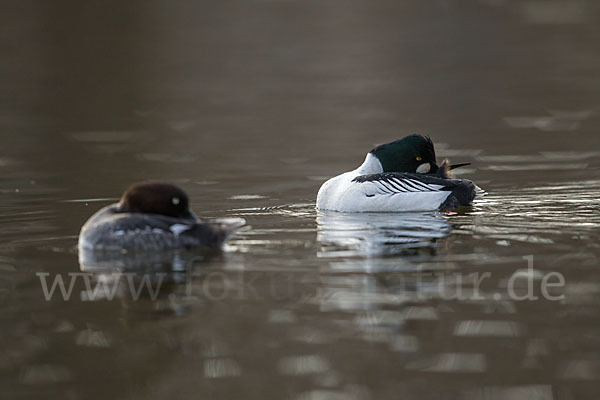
[(250, 105)]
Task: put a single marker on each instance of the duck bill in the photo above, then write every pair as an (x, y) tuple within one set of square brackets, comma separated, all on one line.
[(454, 166)]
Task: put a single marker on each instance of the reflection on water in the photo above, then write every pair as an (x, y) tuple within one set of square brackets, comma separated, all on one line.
[(172, 280), (341, 305), (93, 261), (252, 105), (127, 276), (559, 121), (540, 214), (378, 234)]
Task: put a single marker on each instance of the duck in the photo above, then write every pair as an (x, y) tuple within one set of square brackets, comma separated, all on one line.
[(153, 216), (399, 176)]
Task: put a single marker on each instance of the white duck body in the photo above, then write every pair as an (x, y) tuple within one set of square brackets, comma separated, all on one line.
[(369, 189)]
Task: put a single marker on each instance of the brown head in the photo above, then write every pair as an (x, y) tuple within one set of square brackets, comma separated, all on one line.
[(156, 198)]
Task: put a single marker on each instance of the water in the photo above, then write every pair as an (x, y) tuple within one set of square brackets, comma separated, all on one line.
[(250, 106)]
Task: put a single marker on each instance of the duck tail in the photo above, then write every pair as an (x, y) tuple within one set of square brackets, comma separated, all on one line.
[(215, 232), (229, 226), (224, 228), (479, 192)]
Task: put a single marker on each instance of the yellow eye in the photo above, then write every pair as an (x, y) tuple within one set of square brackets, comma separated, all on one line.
[(419, 158)]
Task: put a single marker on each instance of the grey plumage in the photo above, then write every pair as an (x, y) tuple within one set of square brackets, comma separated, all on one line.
[(110, 229)]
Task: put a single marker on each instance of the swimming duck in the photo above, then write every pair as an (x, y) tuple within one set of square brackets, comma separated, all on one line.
[(153, 216), (399, 176)]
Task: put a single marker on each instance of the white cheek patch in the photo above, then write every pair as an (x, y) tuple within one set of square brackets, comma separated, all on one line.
[(175, 200), (177, 229), (424, 168)]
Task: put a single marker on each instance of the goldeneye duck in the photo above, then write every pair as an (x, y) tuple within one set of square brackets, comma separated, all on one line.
[(399, 176), (153, 216)]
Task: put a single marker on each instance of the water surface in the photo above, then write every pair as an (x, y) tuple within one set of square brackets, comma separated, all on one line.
[(250, 106)]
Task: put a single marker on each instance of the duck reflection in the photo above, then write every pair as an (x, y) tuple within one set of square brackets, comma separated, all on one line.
[(369, 271), (139, 275), (143, 262), (379, 234)]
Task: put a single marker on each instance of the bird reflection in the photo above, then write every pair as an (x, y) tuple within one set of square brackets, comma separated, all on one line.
[(136, 275), (379, 234), (143, 262), (364, 275)]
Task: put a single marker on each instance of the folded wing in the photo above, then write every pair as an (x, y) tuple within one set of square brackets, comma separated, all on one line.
[(449, 193)]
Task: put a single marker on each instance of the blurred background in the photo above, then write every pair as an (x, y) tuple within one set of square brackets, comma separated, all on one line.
[(250, 105)]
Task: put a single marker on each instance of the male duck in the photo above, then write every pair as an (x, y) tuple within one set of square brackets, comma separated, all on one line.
[(399, 176), (153, 216)]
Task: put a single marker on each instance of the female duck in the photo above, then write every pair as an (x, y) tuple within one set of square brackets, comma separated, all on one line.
[(399, 176), (153, 216)]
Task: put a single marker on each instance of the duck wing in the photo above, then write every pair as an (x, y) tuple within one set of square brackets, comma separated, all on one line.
[(112, 230), (460, 192)]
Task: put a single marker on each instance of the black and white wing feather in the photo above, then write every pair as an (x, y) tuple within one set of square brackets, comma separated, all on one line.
[(396, 183), (462, 191)]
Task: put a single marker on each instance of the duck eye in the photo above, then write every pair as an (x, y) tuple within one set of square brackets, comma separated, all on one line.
[(419, 158), (175, 200)]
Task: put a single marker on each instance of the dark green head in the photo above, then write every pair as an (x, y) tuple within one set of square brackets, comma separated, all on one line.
[(413, 153)]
